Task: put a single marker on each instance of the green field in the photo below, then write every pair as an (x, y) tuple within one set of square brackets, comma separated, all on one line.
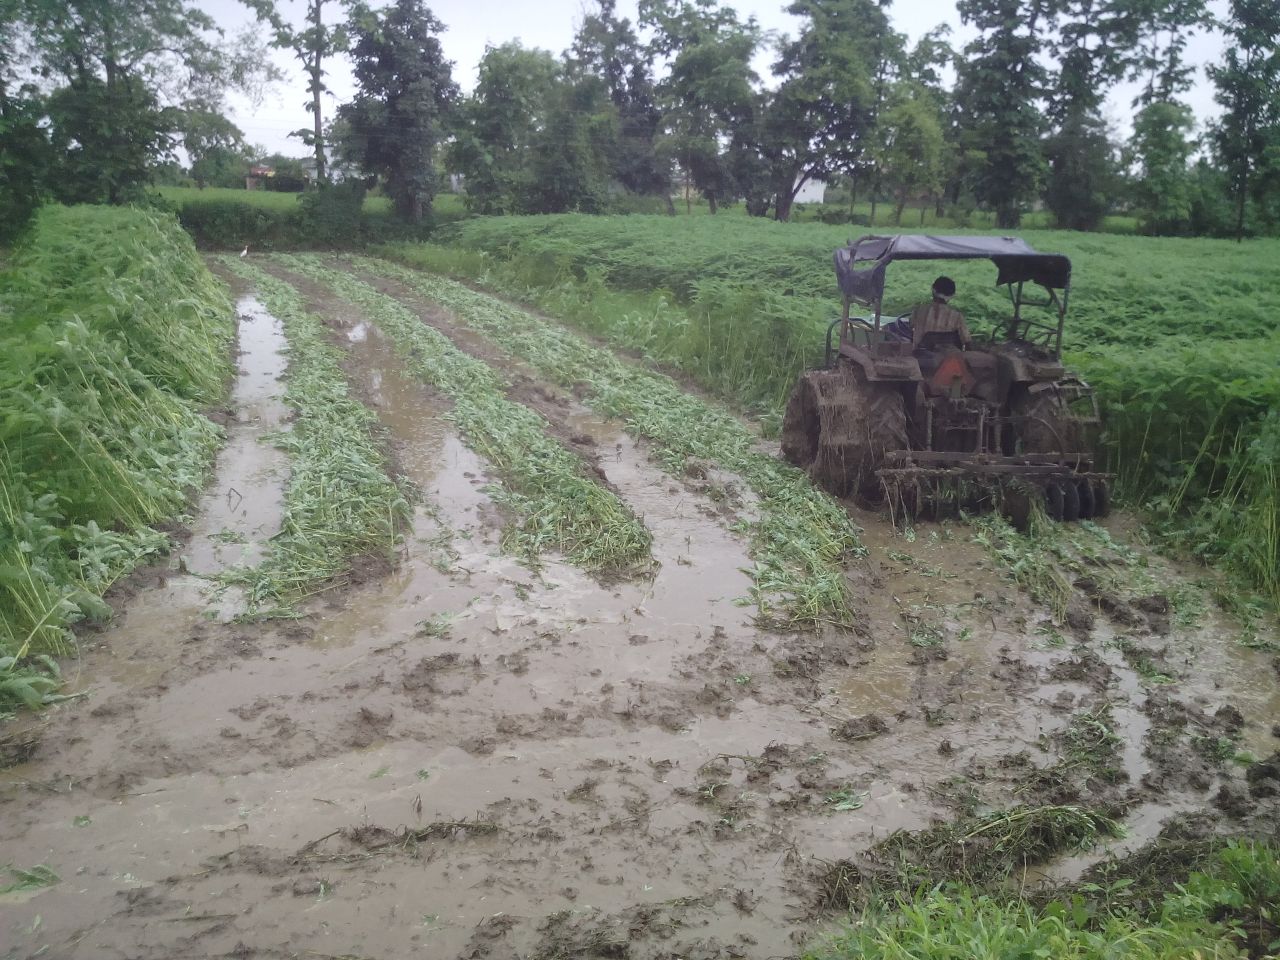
[(1179, 336)]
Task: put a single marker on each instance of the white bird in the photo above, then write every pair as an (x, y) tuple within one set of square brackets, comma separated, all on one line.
[(245, 251)]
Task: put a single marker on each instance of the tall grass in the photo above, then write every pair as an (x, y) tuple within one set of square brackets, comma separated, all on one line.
[(114, 337)]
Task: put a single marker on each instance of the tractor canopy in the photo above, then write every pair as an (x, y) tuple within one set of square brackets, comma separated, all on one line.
[(860, 266)]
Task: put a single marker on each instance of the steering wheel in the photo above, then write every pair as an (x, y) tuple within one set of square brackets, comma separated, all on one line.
[(900, 318)]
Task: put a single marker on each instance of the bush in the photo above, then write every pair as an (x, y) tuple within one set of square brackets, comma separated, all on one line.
[(337, 216)]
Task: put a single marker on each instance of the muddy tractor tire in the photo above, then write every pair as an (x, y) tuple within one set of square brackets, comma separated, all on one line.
[(1048, 426), (839, 427)]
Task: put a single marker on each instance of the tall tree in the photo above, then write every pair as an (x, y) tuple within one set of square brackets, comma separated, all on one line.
[(126, 71), (819, 118), (914, 147), (1001, 80), (25, 157), (312, 44), (406, 92), (708, 87), (1246, 138), (607, 47), (1161, 147), (215, 148), (500, 123)]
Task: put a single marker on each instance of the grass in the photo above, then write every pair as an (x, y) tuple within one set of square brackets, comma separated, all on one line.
[(114, 338), (1224, 908), (800, 539), (557, 504), (340, 502), (1177, 335)]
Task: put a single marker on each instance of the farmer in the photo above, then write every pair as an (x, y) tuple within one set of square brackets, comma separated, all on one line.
[(938, 324)]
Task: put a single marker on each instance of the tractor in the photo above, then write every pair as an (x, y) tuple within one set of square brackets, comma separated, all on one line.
[(932, 423)]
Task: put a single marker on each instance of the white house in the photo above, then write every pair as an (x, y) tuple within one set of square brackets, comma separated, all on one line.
[(812, 192)]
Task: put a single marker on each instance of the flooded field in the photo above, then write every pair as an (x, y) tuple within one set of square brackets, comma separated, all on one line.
[(465, 753)]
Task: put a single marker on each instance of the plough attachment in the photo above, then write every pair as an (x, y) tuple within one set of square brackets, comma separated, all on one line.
[(935, 485)]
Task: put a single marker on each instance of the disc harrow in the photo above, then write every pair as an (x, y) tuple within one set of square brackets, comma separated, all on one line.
[(934, 486)]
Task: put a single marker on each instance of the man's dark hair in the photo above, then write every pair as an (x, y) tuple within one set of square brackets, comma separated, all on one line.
[(945, 286)]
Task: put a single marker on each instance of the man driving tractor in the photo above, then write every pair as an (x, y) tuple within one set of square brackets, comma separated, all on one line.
[(938, 323)]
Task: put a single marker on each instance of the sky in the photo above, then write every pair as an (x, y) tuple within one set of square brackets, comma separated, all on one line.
[(551, 24)]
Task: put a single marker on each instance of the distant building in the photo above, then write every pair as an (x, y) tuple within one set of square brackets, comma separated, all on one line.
[(812, 192), (257, 174)]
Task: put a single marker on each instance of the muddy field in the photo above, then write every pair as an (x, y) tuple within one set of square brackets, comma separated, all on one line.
[(456, 755)]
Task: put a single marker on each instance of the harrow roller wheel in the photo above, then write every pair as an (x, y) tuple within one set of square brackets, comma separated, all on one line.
[(1053, 501), (1101, 498), (1088, 508), (1070, 501)]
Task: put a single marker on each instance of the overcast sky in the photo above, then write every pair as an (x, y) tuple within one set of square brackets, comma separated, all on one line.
[(550, 24)]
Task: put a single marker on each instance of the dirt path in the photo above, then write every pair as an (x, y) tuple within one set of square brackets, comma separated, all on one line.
[(466, 759)]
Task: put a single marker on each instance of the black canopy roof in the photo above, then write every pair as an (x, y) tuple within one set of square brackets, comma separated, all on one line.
[(860, 266)]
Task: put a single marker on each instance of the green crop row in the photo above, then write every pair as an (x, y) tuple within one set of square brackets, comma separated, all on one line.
[(801, 538), (113, 337), (1178, 336), (340, 502), (558, 505)]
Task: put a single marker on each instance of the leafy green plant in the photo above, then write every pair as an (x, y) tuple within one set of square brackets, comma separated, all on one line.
[(115, 336)]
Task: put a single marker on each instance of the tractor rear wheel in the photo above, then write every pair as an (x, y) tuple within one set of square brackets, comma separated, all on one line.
[(1048, 425), (839, 427)]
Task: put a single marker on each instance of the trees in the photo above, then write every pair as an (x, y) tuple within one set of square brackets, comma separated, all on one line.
[(124, 74), (406, 92), (499, 124), (914, 147), (1162, 144), (1246, 139), (708, 87), (215, 147), (607, 48), (312, 45), (1000, 82)]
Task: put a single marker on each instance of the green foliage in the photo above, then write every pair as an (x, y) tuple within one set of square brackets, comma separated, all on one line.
[(406, 91), (328, 217), (340, 503), (1246, 138), (1082, 184), (499, 124), (1000, 81), (558, 505), (24, 161), (1161, 145), (115, 337), (1225, 908)]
